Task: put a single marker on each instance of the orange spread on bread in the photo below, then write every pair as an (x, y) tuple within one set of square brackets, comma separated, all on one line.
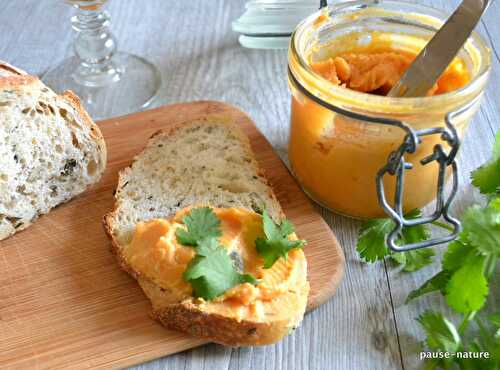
[(154, 253)]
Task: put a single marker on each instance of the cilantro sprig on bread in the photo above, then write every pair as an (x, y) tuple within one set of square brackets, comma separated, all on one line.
[(206, 162)]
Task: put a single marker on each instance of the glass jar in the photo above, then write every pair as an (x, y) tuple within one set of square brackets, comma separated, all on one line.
[(336, 147)]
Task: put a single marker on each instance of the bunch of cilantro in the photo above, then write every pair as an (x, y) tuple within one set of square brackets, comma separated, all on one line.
[(212, 271), (468, 267)]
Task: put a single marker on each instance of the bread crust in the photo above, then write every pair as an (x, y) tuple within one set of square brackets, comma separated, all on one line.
[(11, 76), (84, 117), (10, 68), (188, 316), (16, 77)]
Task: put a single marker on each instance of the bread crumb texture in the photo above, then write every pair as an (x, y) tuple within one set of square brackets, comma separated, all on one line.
[(201, 162), (50, 151)]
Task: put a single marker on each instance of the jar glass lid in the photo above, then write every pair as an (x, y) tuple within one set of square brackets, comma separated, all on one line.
[(268, 24)]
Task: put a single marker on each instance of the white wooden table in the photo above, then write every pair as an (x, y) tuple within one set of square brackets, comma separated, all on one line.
[(366, 325)]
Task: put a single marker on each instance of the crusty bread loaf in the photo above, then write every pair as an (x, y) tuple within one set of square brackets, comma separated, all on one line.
[(50, 150), (203, 162)]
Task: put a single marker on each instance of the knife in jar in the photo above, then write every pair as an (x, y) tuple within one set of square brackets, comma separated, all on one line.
[(439, 52)]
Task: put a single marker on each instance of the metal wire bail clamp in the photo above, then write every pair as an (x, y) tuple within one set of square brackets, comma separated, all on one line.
[(396, 166)]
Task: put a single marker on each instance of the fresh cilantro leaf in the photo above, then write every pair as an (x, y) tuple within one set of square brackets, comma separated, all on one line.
[(487, 177), (414, 260), (459, 254), (467, 288), (441, 333), (276, 243), (286, 228), (458, 251), (371, 243), (487, 340), (207, 246), (274, 231), (482, 227), (211, 272), (272, 250), (201, 223), (417, 233), (436, 283)]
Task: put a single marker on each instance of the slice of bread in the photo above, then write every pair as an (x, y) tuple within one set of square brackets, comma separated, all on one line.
[(50, 150), (203, 162)]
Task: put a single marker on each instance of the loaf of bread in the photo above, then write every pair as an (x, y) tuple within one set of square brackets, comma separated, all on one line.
[(50, 149), (203, 162)]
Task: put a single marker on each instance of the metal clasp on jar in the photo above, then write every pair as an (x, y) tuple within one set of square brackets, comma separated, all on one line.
[(396, 166)]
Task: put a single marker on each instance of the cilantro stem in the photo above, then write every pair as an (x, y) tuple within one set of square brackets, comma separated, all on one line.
[(484, 332), (465, 322), (489, 266), (442, 225)]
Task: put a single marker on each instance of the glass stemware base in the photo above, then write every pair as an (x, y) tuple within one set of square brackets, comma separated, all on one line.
[(126, 83)]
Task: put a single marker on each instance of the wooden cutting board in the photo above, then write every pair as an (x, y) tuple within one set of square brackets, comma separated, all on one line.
[(64, 303)]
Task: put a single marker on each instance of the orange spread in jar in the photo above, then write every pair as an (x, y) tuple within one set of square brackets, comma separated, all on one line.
[(155, 254), (336, 158), (377, 72)]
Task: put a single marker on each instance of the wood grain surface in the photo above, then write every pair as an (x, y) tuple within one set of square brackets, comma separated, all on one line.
[(62, 293), (367, 326)]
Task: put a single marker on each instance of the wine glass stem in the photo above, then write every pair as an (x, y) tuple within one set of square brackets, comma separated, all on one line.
[(94, 47)]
